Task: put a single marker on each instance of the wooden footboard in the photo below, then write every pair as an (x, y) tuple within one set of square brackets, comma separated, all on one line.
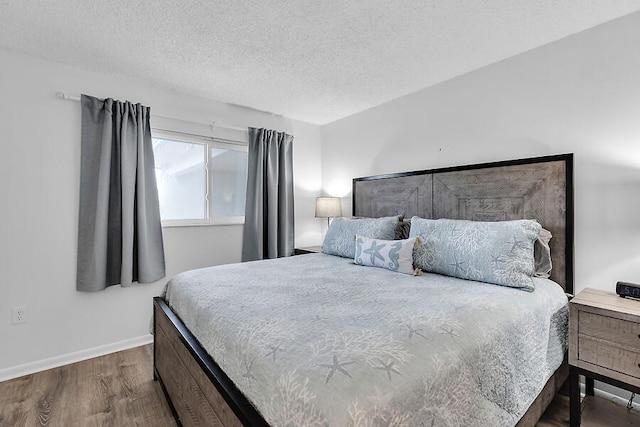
[(199, 392)]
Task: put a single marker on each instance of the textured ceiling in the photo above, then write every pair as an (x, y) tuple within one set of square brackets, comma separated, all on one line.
[(311, 60)]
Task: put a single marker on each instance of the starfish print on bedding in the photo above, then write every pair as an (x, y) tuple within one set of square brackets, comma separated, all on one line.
[(248, 375), (496, 259), (273, 351), (447, 330), (374, 251), (413, 330), (517, 244), (388, 368), (336, 366), (457, 266)]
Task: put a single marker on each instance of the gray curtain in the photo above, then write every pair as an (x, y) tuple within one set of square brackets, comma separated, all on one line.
[(119, 231), (268, 220)]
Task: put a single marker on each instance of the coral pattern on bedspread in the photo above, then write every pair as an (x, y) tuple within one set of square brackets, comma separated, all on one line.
[(314, 340)]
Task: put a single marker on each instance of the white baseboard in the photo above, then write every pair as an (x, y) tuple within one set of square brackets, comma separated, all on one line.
[(611, 393), (65, 359), (615, 398)]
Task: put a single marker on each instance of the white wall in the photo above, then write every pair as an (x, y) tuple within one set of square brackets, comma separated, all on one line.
[(579, 95), (39, 182)]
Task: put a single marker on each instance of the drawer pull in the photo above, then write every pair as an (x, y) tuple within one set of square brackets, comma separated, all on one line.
[(638, 365), (638, 335)]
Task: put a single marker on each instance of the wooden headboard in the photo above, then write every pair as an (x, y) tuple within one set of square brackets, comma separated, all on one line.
[(538, 188)]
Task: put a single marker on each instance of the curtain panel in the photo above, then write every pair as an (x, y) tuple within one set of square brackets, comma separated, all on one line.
[(268, 221), (119, 229)]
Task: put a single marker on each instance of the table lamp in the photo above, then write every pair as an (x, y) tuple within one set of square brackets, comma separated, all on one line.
[(328, 207)]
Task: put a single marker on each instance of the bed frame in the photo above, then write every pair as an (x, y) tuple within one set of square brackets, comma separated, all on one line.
[(541, 188)]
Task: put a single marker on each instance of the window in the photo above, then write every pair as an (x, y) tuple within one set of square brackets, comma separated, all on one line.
[(200, 180)]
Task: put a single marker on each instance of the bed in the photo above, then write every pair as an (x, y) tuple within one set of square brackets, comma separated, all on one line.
[(313, 348)]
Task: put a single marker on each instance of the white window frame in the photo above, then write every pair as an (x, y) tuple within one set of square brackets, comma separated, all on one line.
[(209, 142)]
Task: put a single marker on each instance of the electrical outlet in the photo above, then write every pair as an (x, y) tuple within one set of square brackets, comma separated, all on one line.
[(19, 315)]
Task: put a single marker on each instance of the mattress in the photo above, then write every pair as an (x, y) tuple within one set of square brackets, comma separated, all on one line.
[(317, 341)]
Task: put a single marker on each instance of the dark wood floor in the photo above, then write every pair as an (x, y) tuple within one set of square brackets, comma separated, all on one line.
[(118, 390), (112, 390), (596, 412)]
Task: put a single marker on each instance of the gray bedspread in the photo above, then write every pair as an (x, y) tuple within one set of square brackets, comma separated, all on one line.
[(314, 340)]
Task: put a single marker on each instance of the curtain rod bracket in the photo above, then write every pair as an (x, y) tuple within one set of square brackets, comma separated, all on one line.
[(63, 95)]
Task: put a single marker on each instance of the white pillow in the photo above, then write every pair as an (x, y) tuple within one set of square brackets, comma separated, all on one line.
[(493, 252), (340, 235), (394, 255)]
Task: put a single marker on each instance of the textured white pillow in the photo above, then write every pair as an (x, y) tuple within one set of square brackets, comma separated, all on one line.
[(394, 255), (493, 252), (340, 235)]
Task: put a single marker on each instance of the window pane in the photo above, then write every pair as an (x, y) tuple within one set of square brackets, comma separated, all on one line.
[(181, 178), (228, 169)]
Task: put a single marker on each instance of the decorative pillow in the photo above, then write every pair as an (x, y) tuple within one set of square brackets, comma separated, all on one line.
[(340, 238), (402, 229), (542, 254), (394, 255), (494, 252)]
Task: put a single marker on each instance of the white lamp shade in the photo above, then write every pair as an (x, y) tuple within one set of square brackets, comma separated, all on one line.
[(328, 207)]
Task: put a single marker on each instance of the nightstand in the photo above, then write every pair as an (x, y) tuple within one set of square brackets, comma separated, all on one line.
[(604, 344), (307, 250)]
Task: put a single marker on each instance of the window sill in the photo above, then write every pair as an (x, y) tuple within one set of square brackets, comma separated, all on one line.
[(232, 220)]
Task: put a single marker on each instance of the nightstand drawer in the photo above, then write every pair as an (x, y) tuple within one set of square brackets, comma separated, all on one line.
[(609, 356), (617, 331)]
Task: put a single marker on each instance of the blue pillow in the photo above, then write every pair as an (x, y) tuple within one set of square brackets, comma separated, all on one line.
[(494, 252), (394, 255), (340, 238)]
